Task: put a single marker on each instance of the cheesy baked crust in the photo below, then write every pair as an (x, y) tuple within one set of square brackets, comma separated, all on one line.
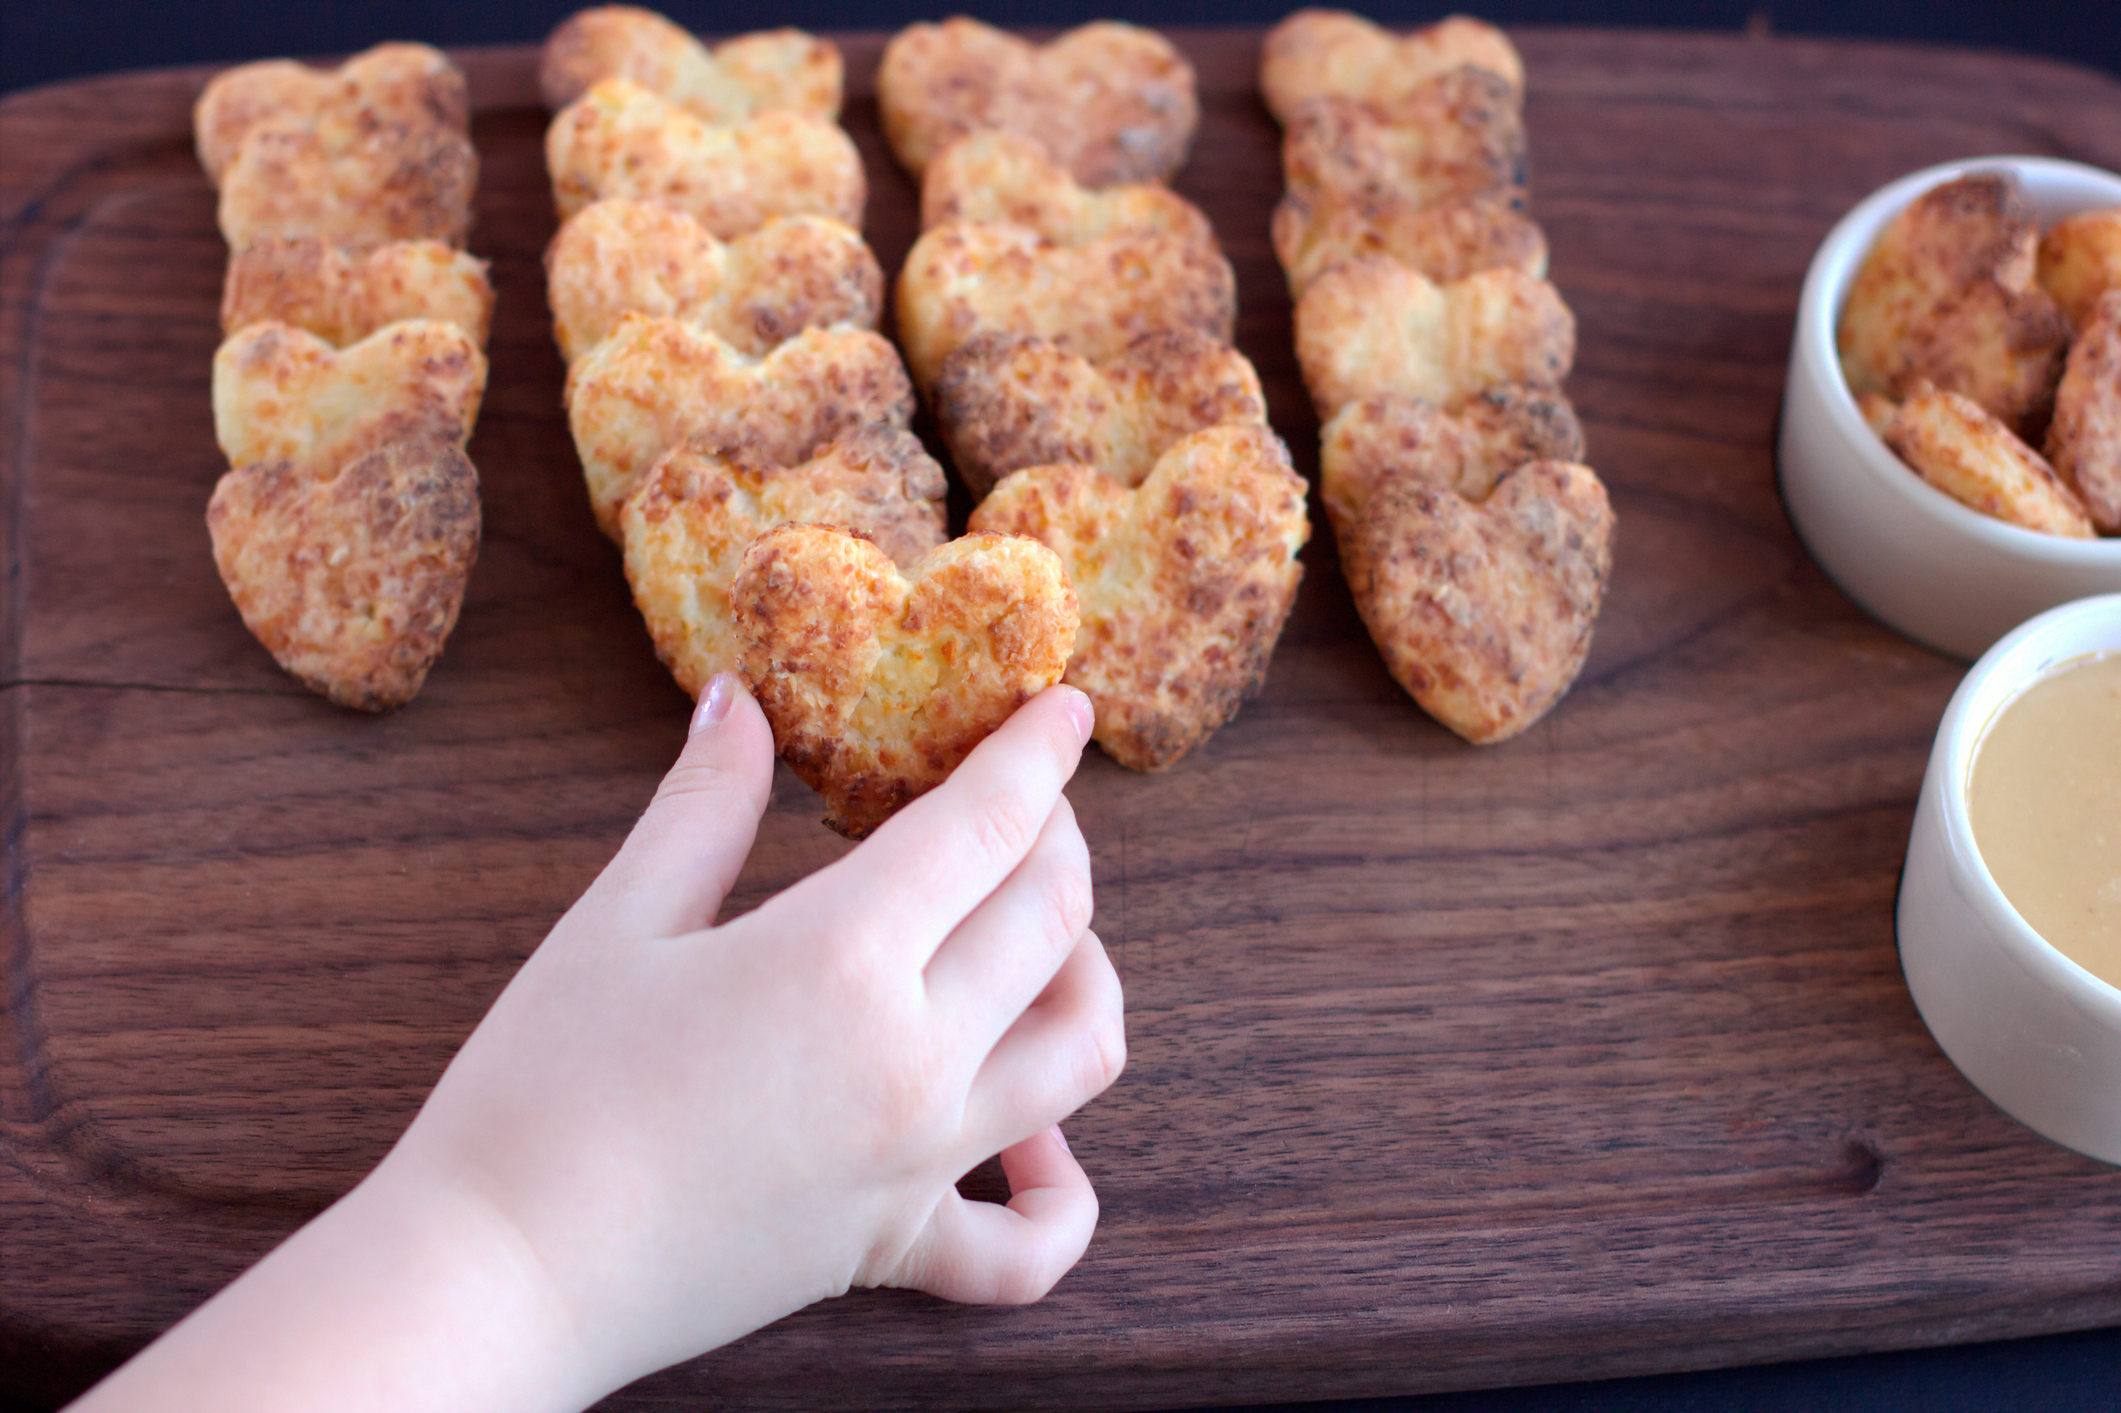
[(2079, 259), (1314, 231), (1110, 102), (736, 80), (387, 88), (351, 577), (685, 529), (1007, 401), (344, 298), (1456, 136), (1184, 582), (1094, 299), (793, 273), (1959, 447), (283, 394), (620, 139), (1483, 613), (1388, 437), (993, 177), (1377, 326), (878, 683), (2084, 440), (656, 382), (1331, 53)]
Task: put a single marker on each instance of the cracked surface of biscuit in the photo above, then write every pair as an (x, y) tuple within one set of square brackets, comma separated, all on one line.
[(353, 190), (1007, 401), (352, 578), (876, 682), (1947, 296), (657, 382), (1111, 102), (1389, 437), (1376, 326), (389, 87), (2084, 440), (2079, 260), (795, 272), (1962, 449), (994, 177), (1316, 53), (734, 81), (1456, 136), (281, 394), (619, 139), (687, 525), (343, 298), (1483, 613), (1094, 299), (1314, 231), (1184, 582)]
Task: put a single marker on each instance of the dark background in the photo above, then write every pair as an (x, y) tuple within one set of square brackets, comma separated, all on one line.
[(46, 41)]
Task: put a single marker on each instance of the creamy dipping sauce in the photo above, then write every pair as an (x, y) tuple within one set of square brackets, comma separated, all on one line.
[(2045, 801)]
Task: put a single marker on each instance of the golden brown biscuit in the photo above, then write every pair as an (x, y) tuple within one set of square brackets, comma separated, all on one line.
[(1007, 401), (735, 81), (1314, 231), (1110, 102), (1376, 326), (793, 273), (389, 87), (1390, 437), (2079, 260), (281, 394), (1484, 612), (1095, 299), (351, 578), (2084, 440), (1184, 582), (1947, 297), (618, 139), (1330, 53), (996, 177), (1456, 136), (1953, 443), (687, 525), (343, 298), (657, 382), (354, 190), (878, 683)]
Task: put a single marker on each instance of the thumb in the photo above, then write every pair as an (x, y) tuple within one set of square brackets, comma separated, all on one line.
[(684, 855)]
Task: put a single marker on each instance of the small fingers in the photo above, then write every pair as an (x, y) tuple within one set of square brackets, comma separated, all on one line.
[(979, 1253), (1059, 1055)]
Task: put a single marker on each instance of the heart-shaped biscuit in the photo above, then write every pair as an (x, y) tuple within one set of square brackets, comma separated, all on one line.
[(964, 280), (1314, 231), (344, 298), (878, 683), (1376, 326), (657, 382), (372, 187), (736, 80), (793, 273), (1330, 53), (1456, 136), (618, 139), (1484, 612), (1004, 402), (1184, 582), (392, 86), (1389, 437), (1001, 178), (1110, 102), (351, 578), (2084, 440), (282, 394), (687, 526), (1962, 449)]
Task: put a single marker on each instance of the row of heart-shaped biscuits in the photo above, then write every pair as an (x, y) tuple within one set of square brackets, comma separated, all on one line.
[(1475, 542), (352, 366)]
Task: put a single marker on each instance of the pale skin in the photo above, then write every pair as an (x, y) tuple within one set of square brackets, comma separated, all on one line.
[(666, 1134)]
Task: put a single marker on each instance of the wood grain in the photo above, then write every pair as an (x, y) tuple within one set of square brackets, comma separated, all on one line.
[(1584, 1055)]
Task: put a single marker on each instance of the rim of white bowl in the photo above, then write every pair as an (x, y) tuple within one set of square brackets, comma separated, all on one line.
[(2018, 659), (1826, 283)]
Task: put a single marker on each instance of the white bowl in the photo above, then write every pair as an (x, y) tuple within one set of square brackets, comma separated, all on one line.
[(2035, 1032), (1949, 577)]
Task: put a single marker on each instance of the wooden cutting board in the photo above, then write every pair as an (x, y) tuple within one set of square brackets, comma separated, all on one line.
[(1583, 1055)]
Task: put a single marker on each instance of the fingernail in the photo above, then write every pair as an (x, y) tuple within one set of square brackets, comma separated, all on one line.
[(1083, 714), (1061, 1139), (714, 702)]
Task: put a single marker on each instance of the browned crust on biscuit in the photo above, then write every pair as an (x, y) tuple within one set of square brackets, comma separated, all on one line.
[(1388, 437), (2080, 260), (386, 88), (1317, 53), (354, 191), (735, 80), (1456, 137), (1111, 102), (1314, 232), (2084, 441), (342, 299), (994, 177), (1956, 445), (876, 683), (351, 580), (1484, 612), (1184, 583)]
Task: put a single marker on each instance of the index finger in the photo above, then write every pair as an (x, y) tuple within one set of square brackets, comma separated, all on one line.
[(937, 858)]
